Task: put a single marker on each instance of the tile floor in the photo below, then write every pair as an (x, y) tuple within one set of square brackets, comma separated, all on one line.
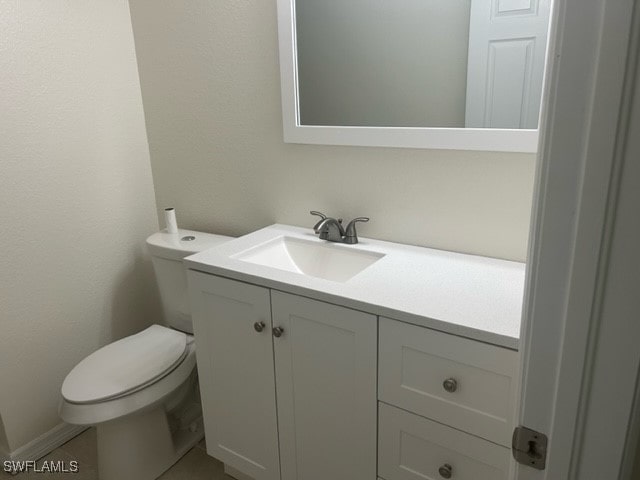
[(195, 465)]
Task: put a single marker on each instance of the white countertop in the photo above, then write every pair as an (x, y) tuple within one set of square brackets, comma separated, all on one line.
[(471, 296)]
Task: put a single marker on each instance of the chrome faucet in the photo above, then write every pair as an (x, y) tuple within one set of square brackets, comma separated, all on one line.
[(332, 230)]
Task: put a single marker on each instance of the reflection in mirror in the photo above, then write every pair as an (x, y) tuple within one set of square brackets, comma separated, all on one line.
[(420, 63)]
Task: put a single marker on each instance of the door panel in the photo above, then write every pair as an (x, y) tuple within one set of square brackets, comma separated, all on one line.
[(510, 7), (507, 49), (326, 384), (235, 365)]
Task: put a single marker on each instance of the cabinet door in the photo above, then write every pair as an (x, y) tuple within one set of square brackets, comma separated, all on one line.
[(326, 383), (235, 366)]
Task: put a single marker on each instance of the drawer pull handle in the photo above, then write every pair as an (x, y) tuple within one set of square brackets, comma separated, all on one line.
[(450, 385), (259, 326), (278, 331), (445, 471)]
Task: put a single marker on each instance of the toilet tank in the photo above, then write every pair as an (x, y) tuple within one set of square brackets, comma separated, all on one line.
[(167, 251)]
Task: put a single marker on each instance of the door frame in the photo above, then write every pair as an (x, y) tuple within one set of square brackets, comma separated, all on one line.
[(592, 76)]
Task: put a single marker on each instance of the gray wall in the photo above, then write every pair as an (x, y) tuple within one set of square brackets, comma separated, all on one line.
[(77, 200), (383, 63), (4, 443), (211, 89)]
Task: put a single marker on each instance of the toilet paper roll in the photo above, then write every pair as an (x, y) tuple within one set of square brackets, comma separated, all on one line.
[(170, 220)]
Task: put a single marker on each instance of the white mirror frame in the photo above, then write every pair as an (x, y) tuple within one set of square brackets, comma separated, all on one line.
[(483, 139)]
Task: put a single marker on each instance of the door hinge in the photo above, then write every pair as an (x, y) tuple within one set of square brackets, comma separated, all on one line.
[(529, 447)]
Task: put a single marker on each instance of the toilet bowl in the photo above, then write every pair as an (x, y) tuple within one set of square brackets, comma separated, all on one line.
[(141, 392)]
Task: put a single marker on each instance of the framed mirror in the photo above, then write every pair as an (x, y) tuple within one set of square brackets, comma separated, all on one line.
[(440, 74)]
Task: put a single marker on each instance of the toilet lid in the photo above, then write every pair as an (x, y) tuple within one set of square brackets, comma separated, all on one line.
[(126, 365)]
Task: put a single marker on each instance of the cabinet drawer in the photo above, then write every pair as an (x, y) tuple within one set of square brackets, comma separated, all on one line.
[(463, 383), (415, 448)]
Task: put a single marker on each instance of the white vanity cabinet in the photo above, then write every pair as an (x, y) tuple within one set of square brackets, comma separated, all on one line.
[(316, 361), (408, 370)]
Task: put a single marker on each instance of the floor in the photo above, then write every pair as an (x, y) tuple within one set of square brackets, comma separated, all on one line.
[(195, 465)]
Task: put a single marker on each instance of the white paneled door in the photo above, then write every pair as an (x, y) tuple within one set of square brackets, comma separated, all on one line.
[(326, 381), (507, 48)]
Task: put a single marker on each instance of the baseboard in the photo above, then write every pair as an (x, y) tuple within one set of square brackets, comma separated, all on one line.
[(237, 474), (45, 443)]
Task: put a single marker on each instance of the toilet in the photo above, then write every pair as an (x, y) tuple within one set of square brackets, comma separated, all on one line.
[(141, 392)]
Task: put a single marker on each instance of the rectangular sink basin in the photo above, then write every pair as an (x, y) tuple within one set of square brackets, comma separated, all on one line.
[(329, 261)]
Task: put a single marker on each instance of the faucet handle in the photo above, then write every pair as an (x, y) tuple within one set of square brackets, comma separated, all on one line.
[(350, 235), (352, 223), (322, 217), (318, 214)]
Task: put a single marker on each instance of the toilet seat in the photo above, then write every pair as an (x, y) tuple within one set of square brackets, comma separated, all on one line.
[(126, 366), (141, 399)]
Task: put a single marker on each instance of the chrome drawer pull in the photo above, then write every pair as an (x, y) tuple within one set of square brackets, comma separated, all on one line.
[(450, 385), (445, 471), (259, 326)]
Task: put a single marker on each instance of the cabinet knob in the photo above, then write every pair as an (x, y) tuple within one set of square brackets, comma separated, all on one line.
[(445, 471), (450, 385), (278, 331), (259, 326)]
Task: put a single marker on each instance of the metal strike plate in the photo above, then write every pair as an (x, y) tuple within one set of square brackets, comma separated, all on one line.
[(529, 447)]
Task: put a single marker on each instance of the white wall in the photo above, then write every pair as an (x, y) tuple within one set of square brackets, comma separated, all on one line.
[(211, 88), (398, 63), (76, 199)]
